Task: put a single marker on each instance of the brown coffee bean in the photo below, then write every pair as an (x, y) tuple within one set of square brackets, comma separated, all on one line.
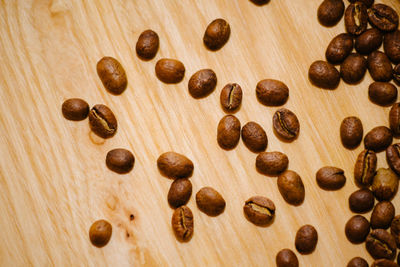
[(272, 92), (254, 137), (202, 83), (396, 73), (330, 12), (174, 165), (339, 48), (170, 70), (216, 34), (330, 178), (259, 210), (272, 163), (75, 109), (324, 75), (182, 223), (351, 132), (228, 132), (367, 3), (361, 201), (380, 244), (210, 202), (393, 157), (356, 18), (385, 184), (353, 68), (382, 93), (306, 239), (100, 233), (291, 187), (179, 193), (286, 258), (379, 67), (112, 75), (286, 125), (260, 2), (384, 263), (357, 262), (357, 229), (395, 229), (394, 119), (368, 41), (147, 45), (364, 169), (383, 17), (382, 215), (231, 97), (102, 121), (378, 139), (391, 46), (120, 160)]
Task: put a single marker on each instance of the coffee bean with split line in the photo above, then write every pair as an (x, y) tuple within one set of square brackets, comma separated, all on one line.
[(364, 168), (259, 210), (381, 245), (383, 17), (182, 223), (231, 97), (356, 18), (393, 157), (286, 125), (102, 121)]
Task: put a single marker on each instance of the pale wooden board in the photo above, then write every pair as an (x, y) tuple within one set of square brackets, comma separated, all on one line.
[(53, 180)]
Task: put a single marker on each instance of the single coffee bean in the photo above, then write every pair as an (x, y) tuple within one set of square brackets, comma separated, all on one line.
[(357, 229), (361, 201), (356, 18), (75, 109), (272, 92), (182, 223), (379, 67), (330, 12), (259, 210), (396, 73), (367, 3), (380, 244), (357, 262), (394, 119), (378, 139), (120, 160), (231, 97), (174, 165), (395, 229), (100, 233), (112, 75), (179, 193), (228, 132), (147, 45), (286, 258), (393, 157), (385, 184), (353, 68), (368, 41), (382, 215), (324, 75), (339, 48), (383, 17), (170, 70), (384, 263), (330, 178), (216, 34), (254, 137), (391, 46), (364, 169), (102, 121), (291, 187), (382, 93), (351, 132), (272, 163), (306, 239), (210, 202), (286, 125), (202, 83)]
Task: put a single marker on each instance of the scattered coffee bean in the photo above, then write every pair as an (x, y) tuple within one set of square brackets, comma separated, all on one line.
[(330, 178), (259, 210), (216, 34), (356, 18), (210, 202), (286, 258), (272, 163), (102, 121), (368, 41), (385, 184), (391, 46), (361, 201), (306, 239), (291, 187), (394, 119), (179, 193), (330, 12), (339, 48), (380, 244), (147, 45), (75, 109), (182, 223), (228, 132), (378, 139), (231, 97), (272, 92), (170, 70), (357, 262), (202, 83), (120, 160), (382, 93), (351, 132), (379, 67), (383, 17), (100, 233), (254, 137), (112, 75), (286, 125), (324, 75), (353, 68), (367, 3), (393, 157), (382, 215), (175, 165), (364, 169), (357, 229), (384, 263), (396, 73)]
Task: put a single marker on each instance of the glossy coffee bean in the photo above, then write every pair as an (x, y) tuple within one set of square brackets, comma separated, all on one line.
[(120, 160), (382, 93), (353, 68), (216, 34), (361, 201), (357, 229), (384, 263), (272, 163), (357, 262), (175, 165), (379, 67), (383, 17), (286, 125), (231, 97), (210, 202), (381, 245), (382, 215), (394, 119), (324, 75), (228, 132), (286, 258), (368, 41), (272, 92), (259, 210), (339, 48), (330, 178), (306, 239), (291, 187), (169, 70), (378, 139), (254, 137), (147, 45), (351, 132), (202, 83), (100, 233), (75, 109), (112, 75), (102, 121), (182, 223), (330, 12), (395, 229), (364, 168), (179, 193), (385, 184), (356, 18), (393, 157), (391, 46)]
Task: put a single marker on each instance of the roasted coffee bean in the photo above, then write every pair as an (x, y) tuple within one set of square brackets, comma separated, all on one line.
[(272, 163), (383, 17), (147, 45), (382, 93), (228, 132), (306, 239), (339, 48), (364, 169), (182, 223), (254, 137), (324, 75), (391, 46), (259, 210), (361, 201), (379, 67), (357, 229), (175, 165), (179, 193), (368, 41), (291, 187), (231, 97), (330, 12), (396, 73), (353, 68), (356, 18), (202, 83), (102, 121), (286, 258), (286, 125), (120, 160), (330, 178), (216, 34), (170, 70), (357, 262), (395, 229), (382, 215), (378, 139), (380, 244), (394, 119), (260, 2), (112, 75), (385, 184), (351, 132), (210, 202), (393, 157), (100, 233), (272, 92), (367, 3), (75, 109), (384, 263)]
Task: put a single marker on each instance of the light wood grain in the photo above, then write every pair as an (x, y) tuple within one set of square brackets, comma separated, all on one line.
[(53, 180)]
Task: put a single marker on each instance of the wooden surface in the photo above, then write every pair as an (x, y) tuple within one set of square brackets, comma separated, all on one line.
[(53, 180)]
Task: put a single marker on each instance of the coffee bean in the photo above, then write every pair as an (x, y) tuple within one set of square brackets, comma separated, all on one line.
[(286, 258), (174, 165), (210, 202), (382, 93), (100, 233), (364, 169), (330, 12), (170, 70), (384, 263), (324, 75), (75, 109), (339, 48), (202, 83), (330, 178), (286, 125), (228, 132), (182, 223), (361, 201), (367, 3), (378, 139), (291, 187), (102, 121), (112, 75), (260, 2), (351, 132), (395, 229), (259, 210), (379, 67), (356, 18), (271, 163), (357, 229), (383, 17), (385, 184), (382, 215), (391, 46), (254, 137), (272, 92), (393, 157), (231, 97), (353, 68), (120, 160), (380, 244), (147, 45), (306, 239), (368, 41), (179, 193), (396, 73), (394, 119), (216, 34), (357, 262)]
